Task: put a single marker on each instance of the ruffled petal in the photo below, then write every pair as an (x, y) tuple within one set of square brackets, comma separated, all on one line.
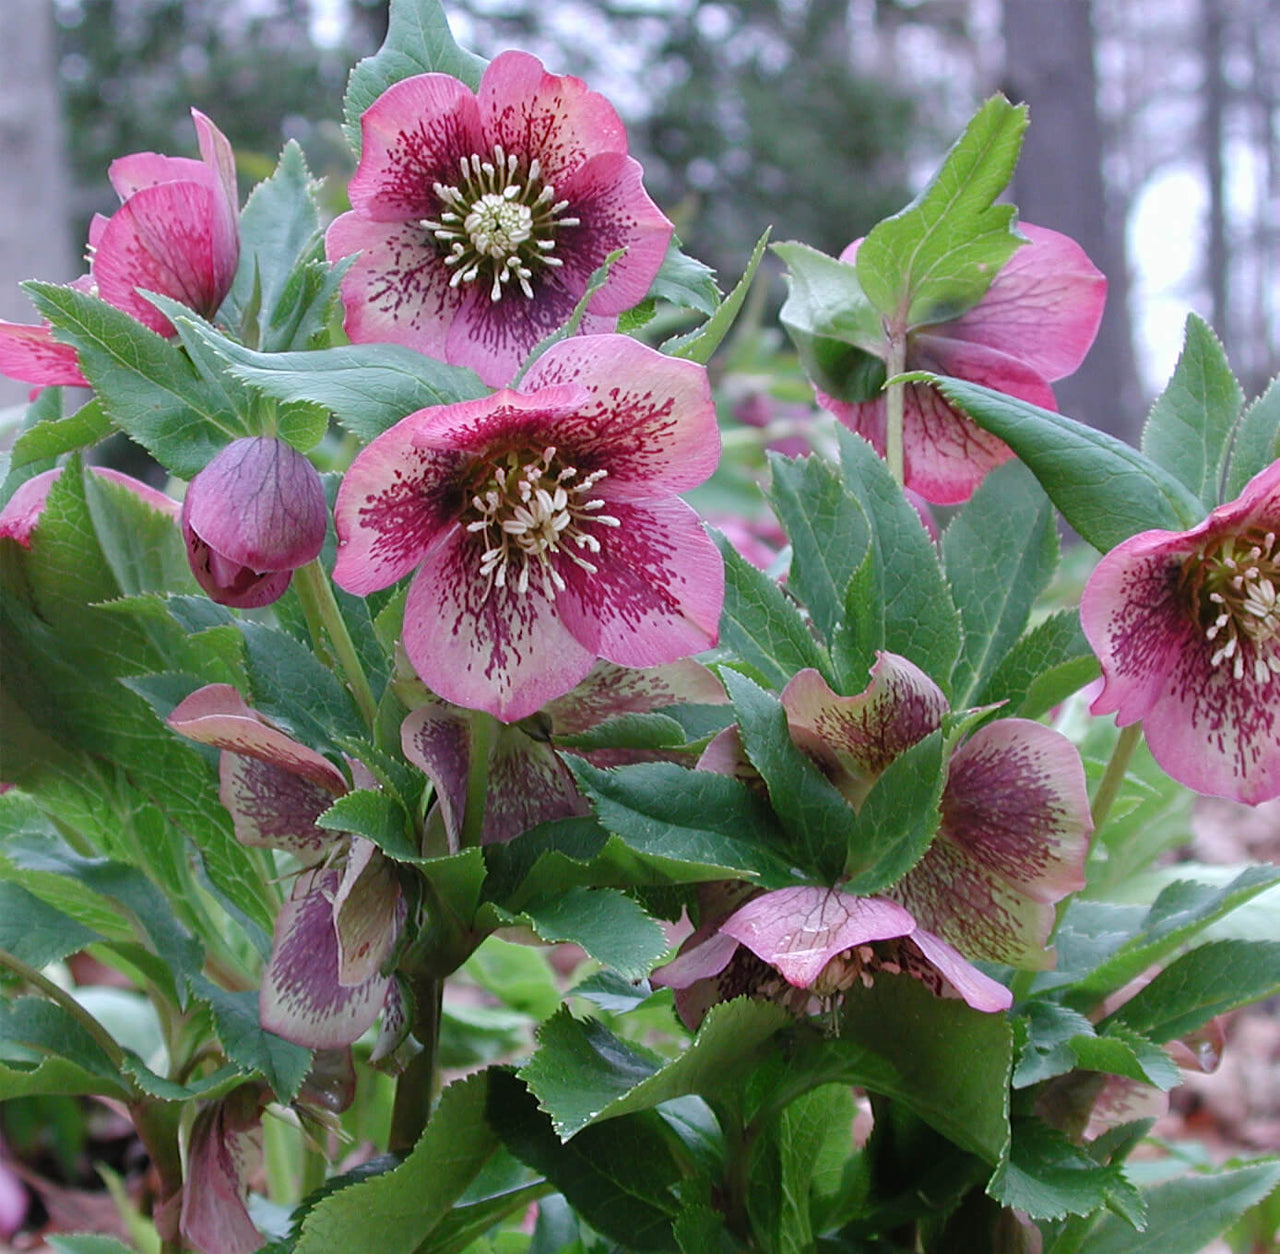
[(368, 911), (302, 997), (658, 590), (553, 117), (978, 990), (224, 1150), (485, 647), (436, 738), (650, 420), (610, 691), (854, 738)]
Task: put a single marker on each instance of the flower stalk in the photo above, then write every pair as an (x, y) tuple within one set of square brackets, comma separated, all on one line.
[(415, 1088), (321, 606), (895, 404)]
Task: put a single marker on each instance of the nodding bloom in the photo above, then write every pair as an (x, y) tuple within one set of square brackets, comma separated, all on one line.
[(175, 233), (1035, 324), (799, 946), (23, 509), (544, 526), (250, 518), (323, 984), (479, 217), (1186, 626), (1014, 827)]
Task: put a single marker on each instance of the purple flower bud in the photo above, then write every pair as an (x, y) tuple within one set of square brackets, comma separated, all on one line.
[(251, 517)]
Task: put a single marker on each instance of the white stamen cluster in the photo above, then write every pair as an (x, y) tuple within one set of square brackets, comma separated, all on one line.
[(1240, 582), (498, 222), (533, 512)]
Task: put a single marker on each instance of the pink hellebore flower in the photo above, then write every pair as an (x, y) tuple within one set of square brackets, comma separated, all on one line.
[(544, 525), (1035, 324), (528, 783), (322, 987), (22, 511), (1187, 628), (175, 233), (1014, 813), (225, 1148), (250, 518), (479, 217), (821, 942)]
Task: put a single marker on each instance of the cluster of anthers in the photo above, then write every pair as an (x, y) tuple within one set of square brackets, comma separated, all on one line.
[(532, 512), (1237, 587), (498, 222)]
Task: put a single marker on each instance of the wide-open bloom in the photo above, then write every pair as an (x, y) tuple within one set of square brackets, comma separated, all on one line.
[(1014, 823), (544, 525), (250, 518), (175, 233), (23, 509), (322, 987), (1186, 626), (1035, 324), (527, 783), (479, 217), (795, 945)]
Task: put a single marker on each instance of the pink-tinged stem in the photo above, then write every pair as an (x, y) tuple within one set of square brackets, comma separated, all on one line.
[(894, 400), (416, 1086), (1113, 777), (320, 605)]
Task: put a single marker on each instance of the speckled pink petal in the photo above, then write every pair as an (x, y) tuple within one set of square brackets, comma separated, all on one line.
[(650, 421), (217, 715), (485, 647), (302, 998), (855, 738), (31, 355), (1044, 307), (436, 738), (396, 291), (224, 1151), (368, 911), (799, 930), (553, 117), (528, 785), (275, 808), (657, 592), (610, 691)]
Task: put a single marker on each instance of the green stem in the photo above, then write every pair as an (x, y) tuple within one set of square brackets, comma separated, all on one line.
[(1113, 777), (320, 605), (102, 1038), (483, 732), (894, 403), (416, 1086)]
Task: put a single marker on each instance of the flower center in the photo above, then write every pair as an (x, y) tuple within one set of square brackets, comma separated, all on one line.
[(533, 510), (498, 223), (1233, 587)]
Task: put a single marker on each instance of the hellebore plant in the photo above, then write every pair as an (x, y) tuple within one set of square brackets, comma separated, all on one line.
[(333, 845), (250, 518), (1187, 629), (544, 526), (175, 233), (478, 217)]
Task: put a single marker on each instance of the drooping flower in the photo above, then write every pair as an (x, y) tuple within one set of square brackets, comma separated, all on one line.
[(1035, 324), (323, 984), (1014, 812), (250, 518), (225, 1148), (175, 233), (1186, 626), (809, 942), (479, 217), (22, 511), (527, 782), (544, 525)]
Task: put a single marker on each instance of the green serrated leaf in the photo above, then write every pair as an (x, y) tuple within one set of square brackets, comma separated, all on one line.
[(1106, 490), (836, 331), (1042, 669), (762, 625), (1191, 423), (376, 816), (701, 343), (637, 317), (1000, 552), (937, 257), (35, 932), (629, 731), (55, 436), (828, 530), (1257, 441), (418, 42), (147, 386), (683, 280)]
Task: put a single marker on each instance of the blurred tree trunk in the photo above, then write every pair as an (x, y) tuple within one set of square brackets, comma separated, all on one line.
[(1049, 64), (1212, 142), (34, 241)]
